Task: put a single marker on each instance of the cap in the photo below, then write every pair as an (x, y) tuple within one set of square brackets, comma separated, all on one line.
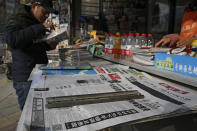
[(47, 4), (137, 34), (118, 34), (143, 34), (124, 34), (149, 35), (131, 34)]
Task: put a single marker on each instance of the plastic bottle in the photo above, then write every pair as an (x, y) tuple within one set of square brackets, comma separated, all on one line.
[(130, 45), (131, 41), (137, 40), (123, 45), (111, 45), (117, 46), (143, 41), (106, 44), (150, 41)]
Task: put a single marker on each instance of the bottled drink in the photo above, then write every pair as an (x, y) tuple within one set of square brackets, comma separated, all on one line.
[(143, 41), (150, 41), (123, 45), (106, 44), (117, 46), (111, 45), (131, 40), (130, 45), (137, 40)]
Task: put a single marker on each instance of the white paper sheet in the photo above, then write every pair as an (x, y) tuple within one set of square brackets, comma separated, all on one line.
[(101, 115)]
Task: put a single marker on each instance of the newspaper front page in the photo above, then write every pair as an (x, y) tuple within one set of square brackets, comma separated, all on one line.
[(160, 98)]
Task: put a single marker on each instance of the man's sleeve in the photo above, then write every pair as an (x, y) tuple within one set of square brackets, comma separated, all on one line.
[(20, 38), (46, 46)]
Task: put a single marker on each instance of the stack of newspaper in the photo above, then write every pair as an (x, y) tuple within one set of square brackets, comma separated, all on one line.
[(161, 99)]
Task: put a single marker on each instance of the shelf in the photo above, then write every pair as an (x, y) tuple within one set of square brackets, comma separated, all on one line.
[(86, 5), (184, 79)]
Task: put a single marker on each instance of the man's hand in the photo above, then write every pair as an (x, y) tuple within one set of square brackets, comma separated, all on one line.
[(168, 40), (48, 24), (163, 42), (186, 42)]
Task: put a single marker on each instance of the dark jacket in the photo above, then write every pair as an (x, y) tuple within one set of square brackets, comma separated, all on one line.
[(21, 31)]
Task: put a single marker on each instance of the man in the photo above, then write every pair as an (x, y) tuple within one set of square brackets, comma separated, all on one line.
[(188, 31), (22, 30)]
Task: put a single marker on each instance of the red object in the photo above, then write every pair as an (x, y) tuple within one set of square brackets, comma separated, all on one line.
[(112, 34), (143, 34), (137, 34), (145, 47), (149, 35), (173, 88), (131, 34), (100, 70), (124, 34), (128, 53), (110, 51), (189, 25), (117, 51), (114, 76)]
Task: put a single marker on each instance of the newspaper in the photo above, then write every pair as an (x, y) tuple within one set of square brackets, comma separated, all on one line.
[(175, 94), (160, 99)]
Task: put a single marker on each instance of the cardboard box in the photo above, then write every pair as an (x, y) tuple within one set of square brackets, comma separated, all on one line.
[(181, 64)]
